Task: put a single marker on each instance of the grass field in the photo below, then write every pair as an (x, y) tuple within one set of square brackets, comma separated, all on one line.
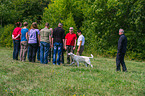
[(35, 79)]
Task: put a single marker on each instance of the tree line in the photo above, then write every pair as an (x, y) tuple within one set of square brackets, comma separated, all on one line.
[(99, 21)]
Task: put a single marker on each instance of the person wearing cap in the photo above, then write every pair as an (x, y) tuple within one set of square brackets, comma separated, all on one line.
[(122, 44), (70, 42), (45, 43), (24, 42), (58, 38), (80, 43)]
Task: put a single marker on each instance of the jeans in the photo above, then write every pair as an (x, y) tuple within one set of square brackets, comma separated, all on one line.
[(57, 49), (16, 49), (32, 52), (44, 50), (120, 59), (38, 53)]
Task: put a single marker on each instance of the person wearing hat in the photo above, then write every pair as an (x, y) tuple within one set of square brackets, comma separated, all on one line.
[(70, 42), (122, 44), (80, 43)]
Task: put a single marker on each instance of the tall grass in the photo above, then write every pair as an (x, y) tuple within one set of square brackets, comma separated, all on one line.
[(35, 79)]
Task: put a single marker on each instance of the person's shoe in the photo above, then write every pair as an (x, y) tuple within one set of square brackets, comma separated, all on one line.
[(57, 64), (117, 70), (124, 70)]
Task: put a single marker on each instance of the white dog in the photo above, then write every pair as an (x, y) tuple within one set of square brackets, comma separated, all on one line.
[(84, 59)]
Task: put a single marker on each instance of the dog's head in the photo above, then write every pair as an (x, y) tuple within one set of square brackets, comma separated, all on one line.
[(70, 53)]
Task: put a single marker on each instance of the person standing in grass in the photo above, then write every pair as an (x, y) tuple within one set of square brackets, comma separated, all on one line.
[(45, 43), (80, 43), (34, 41), (70, 42), (16, 40), (122, 44), (58, 38), (24, 42)]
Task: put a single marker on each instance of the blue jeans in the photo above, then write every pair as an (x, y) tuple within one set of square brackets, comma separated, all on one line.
[(38, 53), (57, 49), (44, 49), (16, 49)]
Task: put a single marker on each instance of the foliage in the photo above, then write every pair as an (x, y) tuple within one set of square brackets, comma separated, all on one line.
[(6, 36), (35, 79), (99, 21), (12, 11)]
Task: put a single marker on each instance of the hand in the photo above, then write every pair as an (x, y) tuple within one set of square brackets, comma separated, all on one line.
[(73, 48), (65, 47), (13, 38), (52, 45), (78, 50)]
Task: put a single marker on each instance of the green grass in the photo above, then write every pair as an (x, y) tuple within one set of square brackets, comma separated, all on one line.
[(35, 79)]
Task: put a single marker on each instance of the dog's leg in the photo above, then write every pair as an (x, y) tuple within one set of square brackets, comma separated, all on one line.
[(90, 63), (86, 64), (77, 63), (72, 63)]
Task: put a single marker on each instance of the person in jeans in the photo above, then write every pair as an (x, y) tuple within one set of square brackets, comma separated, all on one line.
[(45, 43), (16, 40), (70, 42), (80, 43), (33, 42), (58, 38), (122, 44)]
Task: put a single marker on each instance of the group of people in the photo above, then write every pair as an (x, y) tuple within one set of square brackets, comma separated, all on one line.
[(42, 41), (34, 40)]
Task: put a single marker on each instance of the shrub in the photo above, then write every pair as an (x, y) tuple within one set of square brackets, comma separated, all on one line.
[(6, 36)]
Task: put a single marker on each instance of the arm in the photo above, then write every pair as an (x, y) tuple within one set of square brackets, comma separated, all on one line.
[(39, 39), (79, 46), (65, 43), (27, 36), (50, 40), (74, 45), (120, 44), (17, 36), (13, 37)]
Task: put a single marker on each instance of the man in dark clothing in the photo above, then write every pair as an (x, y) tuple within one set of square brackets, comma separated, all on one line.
[(122, 44), (58, 38)]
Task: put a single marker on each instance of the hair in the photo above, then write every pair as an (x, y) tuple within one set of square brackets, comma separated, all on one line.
[(79, 31), (46, 24), (60, 24), (18, 24), (25, 23), (121, 30), (34, 25)]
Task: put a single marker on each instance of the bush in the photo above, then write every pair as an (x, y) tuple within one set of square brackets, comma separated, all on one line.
[(6, 36)]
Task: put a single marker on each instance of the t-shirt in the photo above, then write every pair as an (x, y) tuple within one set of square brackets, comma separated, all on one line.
[(81, 38), (58, 35), (70, 39), (23, 34), (17, 31), (32, 35), (44, 35)]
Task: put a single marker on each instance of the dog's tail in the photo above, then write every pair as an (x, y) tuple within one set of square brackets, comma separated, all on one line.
[(92, 56)]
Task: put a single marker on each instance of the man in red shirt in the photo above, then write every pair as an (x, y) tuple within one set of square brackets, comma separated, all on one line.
[(70, 42)]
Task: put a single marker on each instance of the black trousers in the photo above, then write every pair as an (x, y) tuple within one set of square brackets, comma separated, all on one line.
[(69, 49), (120, 60), (32, 52)]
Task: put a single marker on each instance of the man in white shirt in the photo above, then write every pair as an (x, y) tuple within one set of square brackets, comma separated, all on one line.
[(80, 43)]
